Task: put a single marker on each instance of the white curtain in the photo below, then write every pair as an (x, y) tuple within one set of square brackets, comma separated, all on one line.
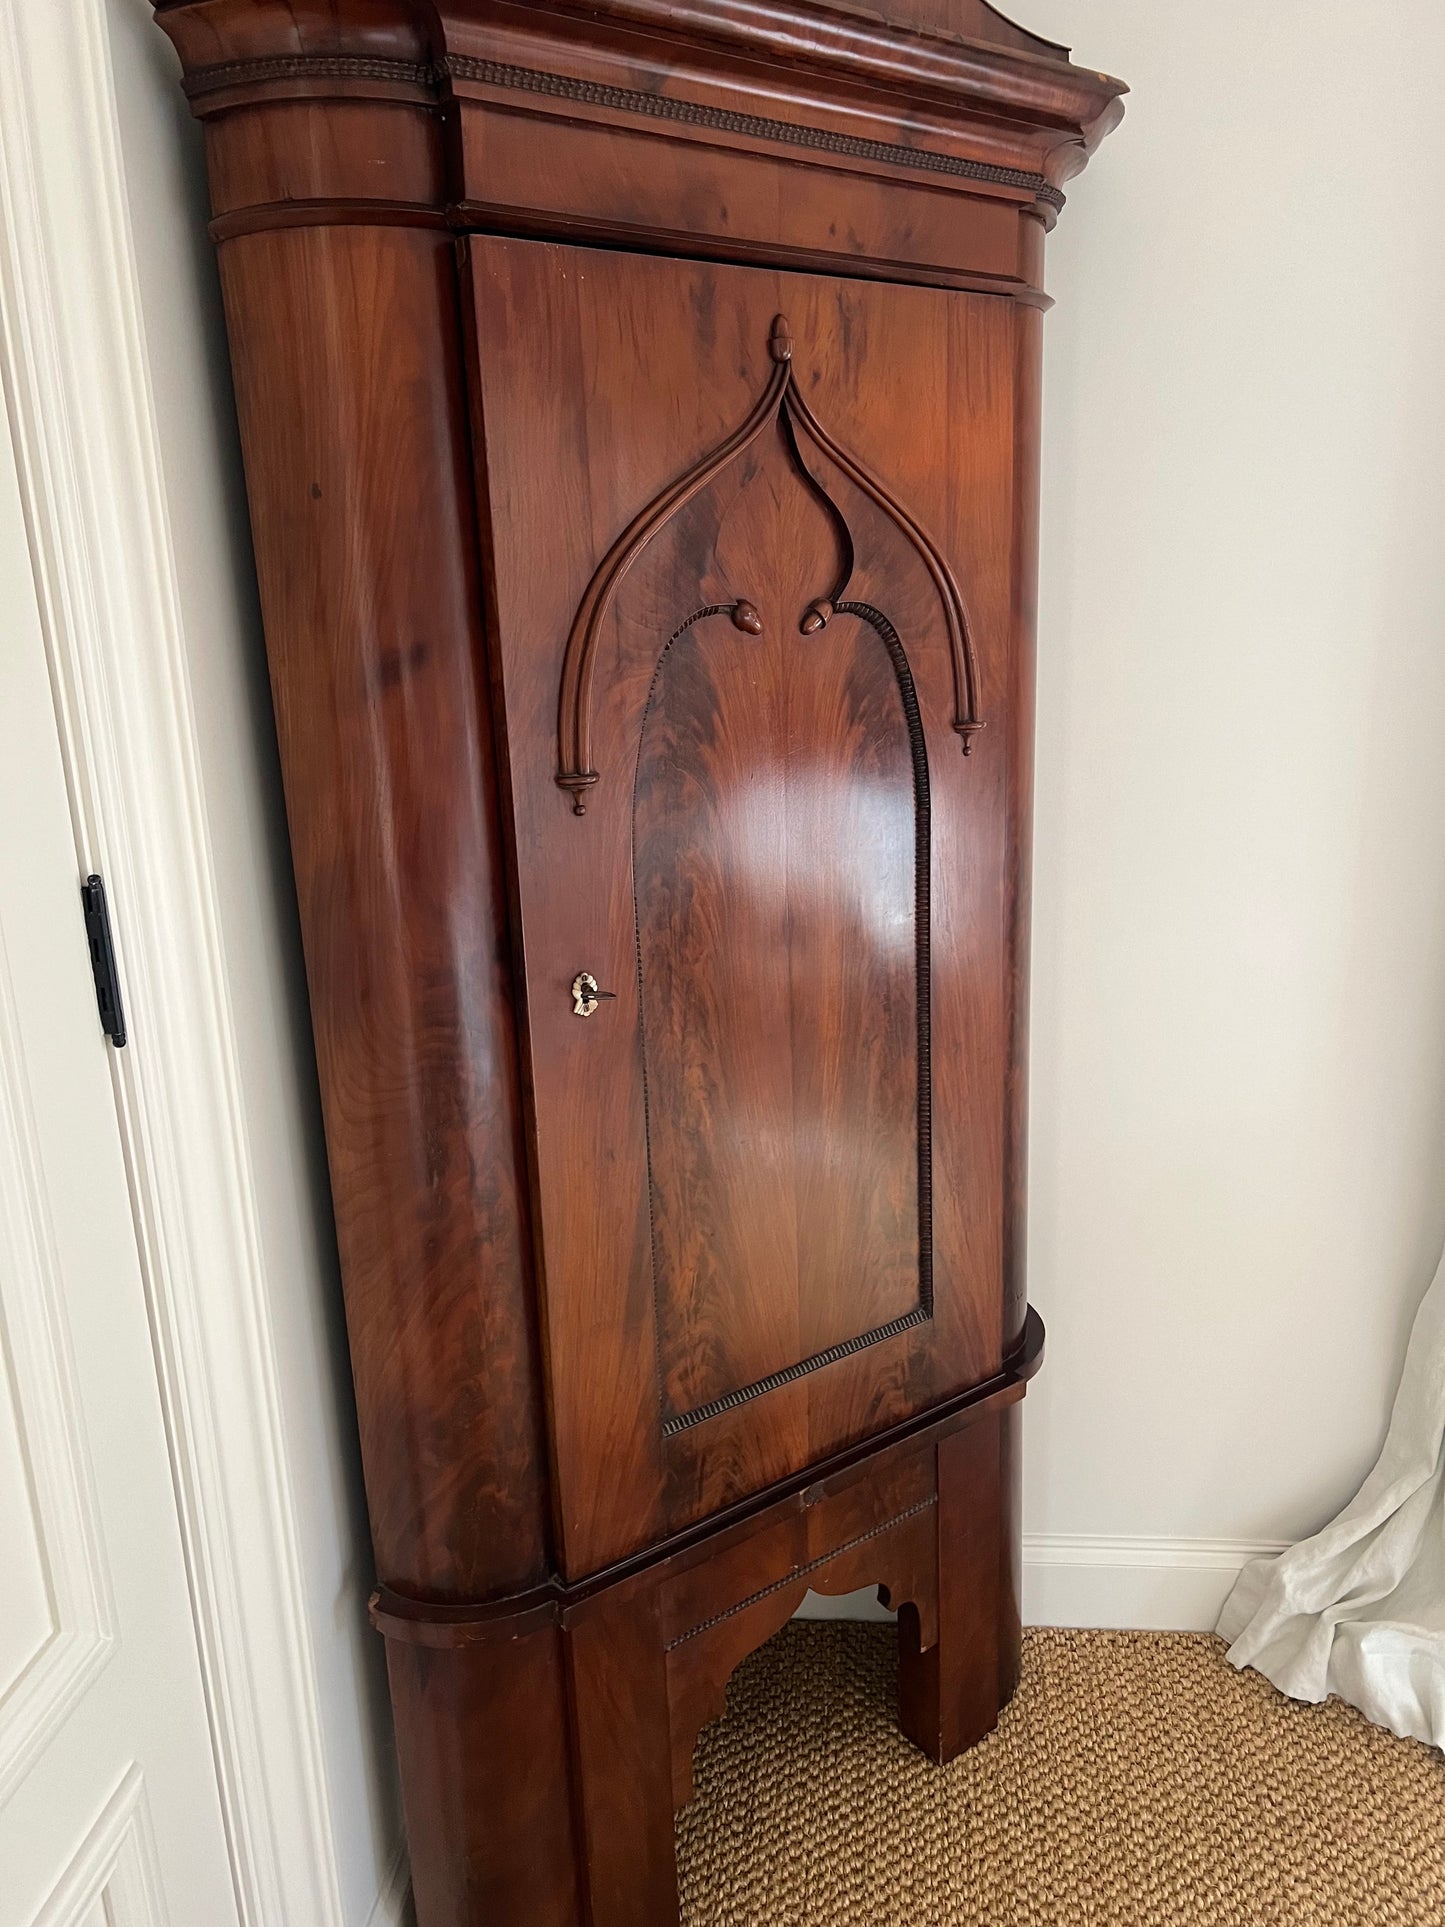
[(1359, 1609)]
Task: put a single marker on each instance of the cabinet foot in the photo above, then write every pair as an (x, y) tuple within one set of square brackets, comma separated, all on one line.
[(950, 1693), (623, 1759)]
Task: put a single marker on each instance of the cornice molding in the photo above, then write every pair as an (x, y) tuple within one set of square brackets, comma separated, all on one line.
[(251, 73), (278, 69), (493, 73), (959, 72), (1057, 110)]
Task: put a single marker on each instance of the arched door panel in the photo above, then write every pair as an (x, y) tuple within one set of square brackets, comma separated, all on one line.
[(743, 674), (779, 836)]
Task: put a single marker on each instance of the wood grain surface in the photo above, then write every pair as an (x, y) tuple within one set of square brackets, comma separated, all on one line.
[(640, 411), (355, 447), (778, 964)]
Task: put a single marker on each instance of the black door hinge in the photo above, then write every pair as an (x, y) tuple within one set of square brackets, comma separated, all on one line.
[(102, 960)]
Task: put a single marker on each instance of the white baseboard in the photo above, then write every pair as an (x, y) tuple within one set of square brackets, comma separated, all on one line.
[(1086, 1579), (1170, 1585), (393, 1904)]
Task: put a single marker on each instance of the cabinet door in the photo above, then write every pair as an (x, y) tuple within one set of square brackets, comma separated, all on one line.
[(749, 563)]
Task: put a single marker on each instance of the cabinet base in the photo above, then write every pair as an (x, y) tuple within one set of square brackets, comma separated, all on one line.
[(546, 1741)]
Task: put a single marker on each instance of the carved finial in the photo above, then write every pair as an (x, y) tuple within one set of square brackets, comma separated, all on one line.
[(578, 782), (746, 618), (815, 617), (780, 341), (968, 730)]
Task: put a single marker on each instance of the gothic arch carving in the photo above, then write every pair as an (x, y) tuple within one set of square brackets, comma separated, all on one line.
[(782, 400)]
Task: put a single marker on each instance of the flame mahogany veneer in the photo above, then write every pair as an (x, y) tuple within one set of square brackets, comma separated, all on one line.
[(639, 403)]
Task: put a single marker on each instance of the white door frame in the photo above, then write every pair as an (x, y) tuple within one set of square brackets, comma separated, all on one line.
[(77, 387)]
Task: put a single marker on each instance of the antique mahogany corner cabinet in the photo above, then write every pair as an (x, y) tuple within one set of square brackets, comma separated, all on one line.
[(639, 403)]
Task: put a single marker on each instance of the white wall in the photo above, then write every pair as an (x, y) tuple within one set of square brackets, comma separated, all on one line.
[(165, 180), (1238, 1100)]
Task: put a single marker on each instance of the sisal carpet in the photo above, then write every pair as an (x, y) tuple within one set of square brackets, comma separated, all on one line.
[(1136, 1780)]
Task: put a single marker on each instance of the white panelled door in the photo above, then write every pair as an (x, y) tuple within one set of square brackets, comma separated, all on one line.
[(109, 1806)]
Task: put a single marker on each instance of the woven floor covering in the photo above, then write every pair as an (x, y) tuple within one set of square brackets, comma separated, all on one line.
[(1136, 1780)]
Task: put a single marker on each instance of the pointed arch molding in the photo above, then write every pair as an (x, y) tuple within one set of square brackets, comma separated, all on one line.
[(782, 400)]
